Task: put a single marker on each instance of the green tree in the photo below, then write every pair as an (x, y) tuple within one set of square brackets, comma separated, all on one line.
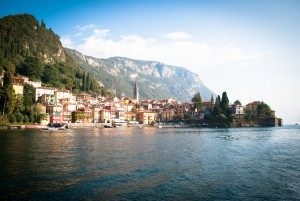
[(212, 103), (237, 102), (11, 118), (197, 100), (68, 82), (225, 104), (248, 116), (7, 97), (28, 98), (19, 117), (83, 82), (92, 86), (43, 24), (51, 76), (217, 108), (19, 106), (37, 112), (87, 86), (26, 119), (264, 110), (31, 67)]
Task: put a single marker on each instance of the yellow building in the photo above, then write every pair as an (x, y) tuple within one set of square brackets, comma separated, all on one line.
[(18, 85), (130, 116), (146, 117), (167, 115), (19, 89)]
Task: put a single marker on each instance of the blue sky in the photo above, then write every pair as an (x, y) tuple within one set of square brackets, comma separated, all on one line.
[(248, 48)]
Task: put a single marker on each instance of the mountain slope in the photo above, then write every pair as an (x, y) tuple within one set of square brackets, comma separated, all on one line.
[(29, 48), (22, 36), (156, 80)]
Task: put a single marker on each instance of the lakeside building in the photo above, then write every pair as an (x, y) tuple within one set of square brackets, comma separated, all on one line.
[(55, 111), (253, 106), (167, 115), (146, 117), (61, 106), (130, 116), (39, 91), (63, 94), (96, 114), (237, 109), (105, 116)]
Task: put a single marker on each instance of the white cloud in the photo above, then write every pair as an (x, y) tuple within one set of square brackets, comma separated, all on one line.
[(177, 36), (85, 27), (100, 33), (67, 42), (195, 56)]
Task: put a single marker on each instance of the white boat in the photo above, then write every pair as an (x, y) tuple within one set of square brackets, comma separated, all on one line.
[(117, 123)]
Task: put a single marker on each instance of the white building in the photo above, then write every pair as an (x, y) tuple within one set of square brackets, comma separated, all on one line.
[(62, 94), (105, 116), (237, 109), (35, 84), (43, 90)]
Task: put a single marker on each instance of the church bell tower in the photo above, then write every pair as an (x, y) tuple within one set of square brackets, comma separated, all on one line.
[(136, 92)]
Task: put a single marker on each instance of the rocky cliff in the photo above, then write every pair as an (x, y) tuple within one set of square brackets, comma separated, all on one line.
[(156, 80)]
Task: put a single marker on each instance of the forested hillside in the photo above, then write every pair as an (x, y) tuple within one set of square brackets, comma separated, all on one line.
[(29, 48)]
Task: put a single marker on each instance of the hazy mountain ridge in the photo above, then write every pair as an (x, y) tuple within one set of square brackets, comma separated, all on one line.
[(156, 80)]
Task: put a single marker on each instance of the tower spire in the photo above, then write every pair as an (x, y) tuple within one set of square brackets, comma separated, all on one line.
[(136, 91)]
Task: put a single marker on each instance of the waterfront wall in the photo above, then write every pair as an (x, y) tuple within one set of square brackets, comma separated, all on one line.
[(85, 125)]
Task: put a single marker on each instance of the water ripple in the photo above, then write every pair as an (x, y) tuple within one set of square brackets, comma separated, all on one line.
[(151, 164)]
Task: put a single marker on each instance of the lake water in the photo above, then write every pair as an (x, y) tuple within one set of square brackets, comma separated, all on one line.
[(151, 164)]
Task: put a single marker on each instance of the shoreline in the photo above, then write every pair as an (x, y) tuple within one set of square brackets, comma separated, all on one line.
[(101, 125)]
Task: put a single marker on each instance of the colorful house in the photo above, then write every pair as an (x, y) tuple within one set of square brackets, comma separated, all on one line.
[(146, 117)]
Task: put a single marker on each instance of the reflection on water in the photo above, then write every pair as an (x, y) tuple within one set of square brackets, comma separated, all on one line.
[(150, 163)]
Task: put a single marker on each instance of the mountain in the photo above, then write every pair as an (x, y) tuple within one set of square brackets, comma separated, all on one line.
[(22, 36), (29, 48), (156, 80)]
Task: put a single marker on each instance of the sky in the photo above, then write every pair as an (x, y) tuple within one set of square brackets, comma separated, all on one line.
[(249, 48)]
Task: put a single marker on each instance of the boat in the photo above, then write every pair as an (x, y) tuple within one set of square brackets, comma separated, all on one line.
[(62, 126), (118, 122), (109, 126)]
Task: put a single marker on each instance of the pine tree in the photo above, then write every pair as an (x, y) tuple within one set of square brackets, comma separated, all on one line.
[(88, 84), (28, 98), (217, 108), (7, 97), (43, 24), (83, 87), (211, 103), (92, 86), (225, 104)]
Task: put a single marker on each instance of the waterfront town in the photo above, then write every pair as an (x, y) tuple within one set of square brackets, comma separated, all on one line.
[(82, 109)]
